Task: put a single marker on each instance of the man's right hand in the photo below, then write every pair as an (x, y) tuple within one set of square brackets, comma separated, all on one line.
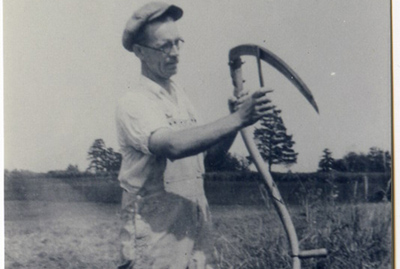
[(249, 109)]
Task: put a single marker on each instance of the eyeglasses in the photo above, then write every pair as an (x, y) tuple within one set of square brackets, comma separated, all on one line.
[(167, 47)]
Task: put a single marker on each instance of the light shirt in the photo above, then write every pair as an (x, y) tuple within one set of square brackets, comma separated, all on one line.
[(141, 112)]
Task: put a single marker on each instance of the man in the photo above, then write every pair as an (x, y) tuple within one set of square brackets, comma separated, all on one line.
[(166, 220)]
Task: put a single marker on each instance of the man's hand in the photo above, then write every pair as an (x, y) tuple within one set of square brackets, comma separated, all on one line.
[(233, 101), (249, 109)]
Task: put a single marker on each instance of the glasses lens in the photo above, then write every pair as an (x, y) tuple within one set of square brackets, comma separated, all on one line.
[(167, 48), (179, 43)]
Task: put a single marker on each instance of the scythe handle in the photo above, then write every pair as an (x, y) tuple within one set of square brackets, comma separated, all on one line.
[(235, 63), (247, 136)]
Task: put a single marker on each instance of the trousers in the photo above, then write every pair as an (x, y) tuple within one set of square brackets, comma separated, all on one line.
[(164, 230)]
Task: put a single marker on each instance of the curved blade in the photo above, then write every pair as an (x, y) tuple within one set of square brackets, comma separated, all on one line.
[(277, 63)]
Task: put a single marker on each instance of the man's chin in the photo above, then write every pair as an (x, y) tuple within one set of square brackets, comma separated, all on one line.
[(172, 71)]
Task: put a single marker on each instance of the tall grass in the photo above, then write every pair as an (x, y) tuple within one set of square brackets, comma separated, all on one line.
[(356, 236)]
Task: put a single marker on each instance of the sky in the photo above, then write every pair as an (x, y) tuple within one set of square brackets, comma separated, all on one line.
[(65, 68)]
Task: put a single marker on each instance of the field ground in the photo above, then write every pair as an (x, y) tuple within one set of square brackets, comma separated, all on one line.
[(55, 234), (42, 234)]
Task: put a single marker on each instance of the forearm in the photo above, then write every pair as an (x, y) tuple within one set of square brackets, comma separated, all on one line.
[(219, 150), (192, 141)]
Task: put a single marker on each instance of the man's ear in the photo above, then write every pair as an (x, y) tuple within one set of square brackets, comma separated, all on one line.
[(138, 50)]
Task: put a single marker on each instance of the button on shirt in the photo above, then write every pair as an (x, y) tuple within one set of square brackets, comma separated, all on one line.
[(143, 110)]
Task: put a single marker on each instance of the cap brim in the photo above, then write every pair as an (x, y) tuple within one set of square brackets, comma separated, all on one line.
[(173, 11)]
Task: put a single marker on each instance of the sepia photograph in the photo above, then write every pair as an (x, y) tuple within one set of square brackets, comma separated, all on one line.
[(198, 134)]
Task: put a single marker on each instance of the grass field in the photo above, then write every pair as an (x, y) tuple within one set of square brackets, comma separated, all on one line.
[(60, 233), (356, 236)]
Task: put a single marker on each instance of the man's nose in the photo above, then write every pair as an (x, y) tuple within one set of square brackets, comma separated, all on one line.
[(174, 50)]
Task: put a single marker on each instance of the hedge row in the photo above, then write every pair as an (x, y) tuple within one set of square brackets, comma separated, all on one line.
[(221, 188), (298, 188)]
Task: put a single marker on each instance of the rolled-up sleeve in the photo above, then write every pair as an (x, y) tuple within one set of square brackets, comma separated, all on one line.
[(137, 118)]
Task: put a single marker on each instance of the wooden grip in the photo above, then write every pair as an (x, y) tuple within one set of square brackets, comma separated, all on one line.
[(321, 252)]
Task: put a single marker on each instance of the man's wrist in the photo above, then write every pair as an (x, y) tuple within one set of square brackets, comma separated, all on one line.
[(236, 121)]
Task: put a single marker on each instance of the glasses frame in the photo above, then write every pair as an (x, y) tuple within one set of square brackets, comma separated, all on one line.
[(165, 50)]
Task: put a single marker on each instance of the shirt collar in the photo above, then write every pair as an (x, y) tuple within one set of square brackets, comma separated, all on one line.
[(148, 84), (153, 86)]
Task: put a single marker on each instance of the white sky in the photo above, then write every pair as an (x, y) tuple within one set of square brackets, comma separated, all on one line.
[(65, 68)]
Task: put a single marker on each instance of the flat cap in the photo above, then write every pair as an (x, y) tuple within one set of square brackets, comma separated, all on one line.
[(146, 14)]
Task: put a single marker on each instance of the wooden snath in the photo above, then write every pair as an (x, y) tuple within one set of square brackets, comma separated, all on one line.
[(235, 63)]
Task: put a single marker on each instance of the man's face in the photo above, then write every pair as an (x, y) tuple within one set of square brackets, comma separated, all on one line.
[(161, 35)]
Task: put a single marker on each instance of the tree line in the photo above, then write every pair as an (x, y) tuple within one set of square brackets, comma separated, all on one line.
[(376, 160)]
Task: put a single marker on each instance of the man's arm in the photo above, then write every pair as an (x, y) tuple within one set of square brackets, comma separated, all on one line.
[(192, 141), (217, 152), (215, 155)]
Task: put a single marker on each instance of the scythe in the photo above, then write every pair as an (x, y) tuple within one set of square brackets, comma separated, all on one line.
[(235, 63)]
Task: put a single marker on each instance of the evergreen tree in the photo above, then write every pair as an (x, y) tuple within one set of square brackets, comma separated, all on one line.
[(103, 159), (274, 144), (327, 162)]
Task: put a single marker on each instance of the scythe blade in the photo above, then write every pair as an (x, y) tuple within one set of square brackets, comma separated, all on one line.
[(277, 63)]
